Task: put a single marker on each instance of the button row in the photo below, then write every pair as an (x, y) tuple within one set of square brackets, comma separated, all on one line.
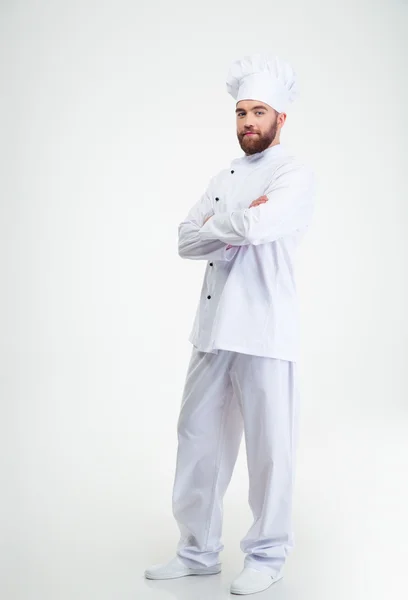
[(212, 264), (217, 199)]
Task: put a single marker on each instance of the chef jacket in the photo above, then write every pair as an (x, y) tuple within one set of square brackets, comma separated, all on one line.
[(248, 300)]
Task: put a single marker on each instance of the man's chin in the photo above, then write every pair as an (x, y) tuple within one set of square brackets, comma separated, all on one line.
[(249, 146)]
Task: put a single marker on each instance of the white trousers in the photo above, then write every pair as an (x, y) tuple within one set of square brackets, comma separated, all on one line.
[(226, 394)]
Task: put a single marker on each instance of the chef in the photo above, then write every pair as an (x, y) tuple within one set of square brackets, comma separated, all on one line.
[(242, 377)]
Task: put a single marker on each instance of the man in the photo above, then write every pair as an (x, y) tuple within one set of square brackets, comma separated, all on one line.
[(242, 376)]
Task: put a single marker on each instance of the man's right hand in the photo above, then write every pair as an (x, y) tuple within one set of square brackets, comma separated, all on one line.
[(260, 200)]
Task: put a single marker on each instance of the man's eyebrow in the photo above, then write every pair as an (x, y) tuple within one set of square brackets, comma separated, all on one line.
[(253, 108)]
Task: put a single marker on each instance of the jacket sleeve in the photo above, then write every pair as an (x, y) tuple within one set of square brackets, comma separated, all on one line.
[(191, 244), (289, 208)]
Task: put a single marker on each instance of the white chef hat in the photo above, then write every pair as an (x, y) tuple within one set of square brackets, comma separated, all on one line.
[(263, 77)]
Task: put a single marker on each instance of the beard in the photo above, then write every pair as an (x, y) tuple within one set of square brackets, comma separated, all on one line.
[(257, 143)]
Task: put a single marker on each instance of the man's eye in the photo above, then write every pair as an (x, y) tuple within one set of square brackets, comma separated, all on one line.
[(260, 112)]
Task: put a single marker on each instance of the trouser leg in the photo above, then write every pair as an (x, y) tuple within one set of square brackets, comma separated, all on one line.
[(209, 434), (267, 389)]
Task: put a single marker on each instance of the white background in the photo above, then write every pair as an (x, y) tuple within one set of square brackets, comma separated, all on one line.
[(114, 115)]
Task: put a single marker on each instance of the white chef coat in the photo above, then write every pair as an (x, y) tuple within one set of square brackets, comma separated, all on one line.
[(248, 300)]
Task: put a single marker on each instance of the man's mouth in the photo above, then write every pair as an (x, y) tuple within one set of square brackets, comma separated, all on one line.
[(250, 133)]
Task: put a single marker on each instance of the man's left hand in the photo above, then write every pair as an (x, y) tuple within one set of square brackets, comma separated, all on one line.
[(205, 221)]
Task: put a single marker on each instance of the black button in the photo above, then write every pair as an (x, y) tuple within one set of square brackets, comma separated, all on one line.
[(232, 171), (208, 297), (216, 199), (211, 264)]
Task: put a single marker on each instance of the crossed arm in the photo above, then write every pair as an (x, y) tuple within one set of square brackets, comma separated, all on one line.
[(190, 243), (286, 207)]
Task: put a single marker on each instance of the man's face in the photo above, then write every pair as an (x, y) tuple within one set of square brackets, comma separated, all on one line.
[(257, 125)]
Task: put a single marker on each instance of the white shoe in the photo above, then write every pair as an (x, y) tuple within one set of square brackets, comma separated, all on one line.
[(175, 568), (251, 581)]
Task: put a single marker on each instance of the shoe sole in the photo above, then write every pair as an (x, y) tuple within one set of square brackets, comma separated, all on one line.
[(242, 592), (153, 576)]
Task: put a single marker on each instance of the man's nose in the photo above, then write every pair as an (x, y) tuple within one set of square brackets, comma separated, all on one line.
[(248, 124)]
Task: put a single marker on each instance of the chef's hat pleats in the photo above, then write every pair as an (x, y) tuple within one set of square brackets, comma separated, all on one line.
[(263, 77)]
